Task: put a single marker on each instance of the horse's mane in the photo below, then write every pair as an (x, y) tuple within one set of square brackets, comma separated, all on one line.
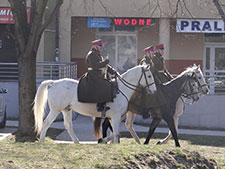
[(188, 71)]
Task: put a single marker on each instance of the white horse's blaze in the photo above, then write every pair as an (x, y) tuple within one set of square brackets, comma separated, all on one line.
[(62, 97)]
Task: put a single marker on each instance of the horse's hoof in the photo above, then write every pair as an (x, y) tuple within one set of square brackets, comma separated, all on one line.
[(158, 143), (100, 140), (145, 142), (178, 145)]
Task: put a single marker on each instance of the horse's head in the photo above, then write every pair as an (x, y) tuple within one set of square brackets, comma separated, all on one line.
[(146, 79), (197, 73), (191, 88)]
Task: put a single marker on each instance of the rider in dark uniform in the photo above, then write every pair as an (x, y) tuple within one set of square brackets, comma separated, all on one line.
[(149, 54), (160, 70), (98, 69), (151, 101), (147, 59)]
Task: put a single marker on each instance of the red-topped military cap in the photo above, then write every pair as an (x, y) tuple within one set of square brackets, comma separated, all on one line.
[(160, 47), (149, 48), (97, 42)]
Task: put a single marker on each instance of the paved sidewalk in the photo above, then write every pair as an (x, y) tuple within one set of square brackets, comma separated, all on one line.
[(83, 128), (6, 132)]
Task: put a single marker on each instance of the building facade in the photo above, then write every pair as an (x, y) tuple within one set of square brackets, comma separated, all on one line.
[(128, 27), (192, 33)]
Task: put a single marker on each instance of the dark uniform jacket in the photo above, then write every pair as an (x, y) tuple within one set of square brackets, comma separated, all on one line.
[(95, 86), (146, 60), (160, 70)]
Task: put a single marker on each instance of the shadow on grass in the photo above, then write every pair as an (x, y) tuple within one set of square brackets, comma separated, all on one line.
[(217, 141), (51, 132)]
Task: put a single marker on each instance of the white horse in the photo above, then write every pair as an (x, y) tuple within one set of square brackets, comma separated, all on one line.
[(203, 90), (61, 96)]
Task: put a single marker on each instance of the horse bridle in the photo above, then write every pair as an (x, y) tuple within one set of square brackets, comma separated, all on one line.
[(199, 84), (189, 95), (136, 87)]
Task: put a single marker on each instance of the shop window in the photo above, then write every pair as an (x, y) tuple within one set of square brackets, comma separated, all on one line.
[(125, 28), (121, 50), (214, 67), (118, 29), (214, 37), (106, 29), (7, 43)]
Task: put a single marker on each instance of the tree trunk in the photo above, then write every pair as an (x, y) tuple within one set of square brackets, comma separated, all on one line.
[(27, 90)]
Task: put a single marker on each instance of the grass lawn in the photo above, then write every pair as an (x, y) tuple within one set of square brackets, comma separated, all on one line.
[(195, 152)]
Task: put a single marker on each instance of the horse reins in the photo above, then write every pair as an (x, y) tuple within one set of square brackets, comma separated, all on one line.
[(199, 84), (132, 86), (189, 95)]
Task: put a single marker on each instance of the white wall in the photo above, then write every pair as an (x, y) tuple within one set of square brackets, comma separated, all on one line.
[(208, 112)]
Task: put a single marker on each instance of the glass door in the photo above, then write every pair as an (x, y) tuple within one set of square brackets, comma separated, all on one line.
[(121, 49), (214, 67)]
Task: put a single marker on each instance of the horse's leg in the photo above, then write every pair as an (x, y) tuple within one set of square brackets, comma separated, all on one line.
[(169, 136), (115, 122), (152, 128), (47, 122), (171, 124), (67, 115), (116, 125), (179, 111), (105, 125), (129, 124), (106, 139)]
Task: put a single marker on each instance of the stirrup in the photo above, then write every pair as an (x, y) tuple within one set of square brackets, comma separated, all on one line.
[(101, 108)]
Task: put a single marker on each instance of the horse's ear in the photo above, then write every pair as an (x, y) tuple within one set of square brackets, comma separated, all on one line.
[(199, 66), (194, 65)]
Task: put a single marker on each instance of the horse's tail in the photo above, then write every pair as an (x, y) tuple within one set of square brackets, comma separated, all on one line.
[(40, 103), (97, 127)]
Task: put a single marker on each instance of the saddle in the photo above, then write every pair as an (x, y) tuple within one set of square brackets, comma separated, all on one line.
[(99, 90), (141, 102)]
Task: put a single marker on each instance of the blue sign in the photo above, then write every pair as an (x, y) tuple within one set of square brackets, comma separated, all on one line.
[(99, 22)]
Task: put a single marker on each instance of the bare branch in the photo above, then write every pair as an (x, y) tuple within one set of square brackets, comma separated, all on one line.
[(49, 18), (160, 10), (107, 11), (187, 9), (220, 10), (176, 9), (19, 9), (33, 9), (46, 23), (38, 15), (93, 9)]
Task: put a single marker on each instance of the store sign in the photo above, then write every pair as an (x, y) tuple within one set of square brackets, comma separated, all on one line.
[(6, 15), (99, 22), (200, 26), (132, 21)]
